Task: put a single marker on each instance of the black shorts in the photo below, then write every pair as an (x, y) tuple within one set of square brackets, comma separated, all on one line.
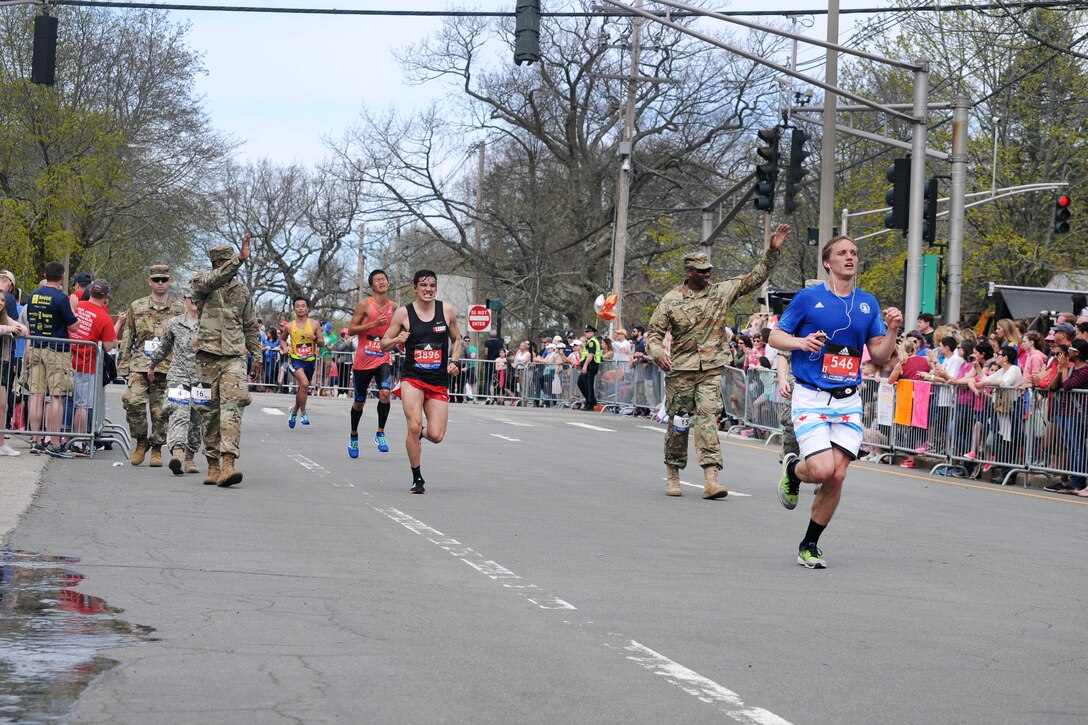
[(361, 379)]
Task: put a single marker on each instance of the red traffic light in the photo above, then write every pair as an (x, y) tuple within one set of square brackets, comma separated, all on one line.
[(1063, 201)]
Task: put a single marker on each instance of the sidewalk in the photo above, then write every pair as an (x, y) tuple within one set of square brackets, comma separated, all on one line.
[(19, 479)]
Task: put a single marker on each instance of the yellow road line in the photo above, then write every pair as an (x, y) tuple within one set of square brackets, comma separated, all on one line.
[(1003, 489)]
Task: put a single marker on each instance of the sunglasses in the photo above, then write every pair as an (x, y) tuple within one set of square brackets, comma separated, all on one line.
[(160, 280)]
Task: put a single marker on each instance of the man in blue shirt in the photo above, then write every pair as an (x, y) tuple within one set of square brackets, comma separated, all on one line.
[(826, 327), (49, 314)]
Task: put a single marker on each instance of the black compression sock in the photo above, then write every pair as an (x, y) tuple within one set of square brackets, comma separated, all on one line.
[(812, 536), (791, 471), (383, 415), (417, 477), (356, 416)]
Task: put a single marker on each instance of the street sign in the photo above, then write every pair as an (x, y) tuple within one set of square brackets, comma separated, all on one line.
[(479, 319)]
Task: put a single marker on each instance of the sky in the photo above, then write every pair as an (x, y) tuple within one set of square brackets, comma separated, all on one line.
[(280, 84)]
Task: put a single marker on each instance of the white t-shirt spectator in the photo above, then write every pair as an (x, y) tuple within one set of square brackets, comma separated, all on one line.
[(951, 365), (621, 351)]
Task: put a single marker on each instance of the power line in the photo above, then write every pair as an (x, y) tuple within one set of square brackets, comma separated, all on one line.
[(595, 14)]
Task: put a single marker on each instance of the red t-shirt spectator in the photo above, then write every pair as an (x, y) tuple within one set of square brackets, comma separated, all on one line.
[(95, 325)]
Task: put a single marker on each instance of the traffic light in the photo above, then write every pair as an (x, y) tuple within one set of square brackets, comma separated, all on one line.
[(43, 64), (929, 211), (1061, 214), (898, 196), (796, 171), (527, 32), (767, 172)]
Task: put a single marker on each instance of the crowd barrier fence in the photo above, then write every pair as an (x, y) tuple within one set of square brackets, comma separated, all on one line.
[(56, 390), (1015, 432)]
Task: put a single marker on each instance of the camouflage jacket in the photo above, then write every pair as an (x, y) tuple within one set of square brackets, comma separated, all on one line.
[(178, 340), (228, 322), (144, 328), (697, 319)]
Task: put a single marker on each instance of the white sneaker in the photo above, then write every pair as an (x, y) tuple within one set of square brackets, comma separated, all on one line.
[(6, 450)]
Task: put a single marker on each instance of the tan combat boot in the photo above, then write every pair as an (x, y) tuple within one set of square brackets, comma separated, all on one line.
[(175, 461), (190, 464), (139, 452), (156, 457), (672, 481), (227, 475), (213, 472), (711, 489)]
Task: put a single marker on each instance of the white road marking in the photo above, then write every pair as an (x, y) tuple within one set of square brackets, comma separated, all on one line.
[(505, 438), (272, 411), (658, 428), (516, 423), (591, 427), (703, 688), (688, 680), (699, 485), (493, 570)]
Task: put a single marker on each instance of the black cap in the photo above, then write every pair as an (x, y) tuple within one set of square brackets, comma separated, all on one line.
[(83, 278), (590, 328), (1081, 347)]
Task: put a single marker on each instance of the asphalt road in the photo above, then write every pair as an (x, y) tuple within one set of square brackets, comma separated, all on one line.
[(546, 578)]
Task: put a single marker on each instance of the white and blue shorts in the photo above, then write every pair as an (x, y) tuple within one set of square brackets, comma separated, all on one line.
[(822, 422)]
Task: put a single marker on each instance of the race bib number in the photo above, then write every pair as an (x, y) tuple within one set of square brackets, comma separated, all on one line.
[(304, 349), (373, 347), (151, 344), (178, 394), (841, 364), (428, 358), (201, 394)]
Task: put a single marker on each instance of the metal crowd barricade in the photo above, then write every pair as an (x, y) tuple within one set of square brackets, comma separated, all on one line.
[(760, 402), (1056, 433), (733, 396), (877, 419), (569, 395), (497, 384), (615, 385), (986, 430), (54, 401)]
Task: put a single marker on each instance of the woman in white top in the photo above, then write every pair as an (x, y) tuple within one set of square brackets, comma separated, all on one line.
[(1007, 405)]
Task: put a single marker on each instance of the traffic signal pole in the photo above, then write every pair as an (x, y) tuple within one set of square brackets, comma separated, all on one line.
[(957, 198), (912, 305)]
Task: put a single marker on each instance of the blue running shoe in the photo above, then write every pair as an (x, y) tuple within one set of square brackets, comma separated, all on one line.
[(305, 419), (379, 438), (291, 420), (353, 446)]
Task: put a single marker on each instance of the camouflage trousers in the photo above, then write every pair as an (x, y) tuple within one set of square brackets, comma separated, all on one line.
[(222, 417), (185, 428), (789, 438), (698, 393), (141, 396)]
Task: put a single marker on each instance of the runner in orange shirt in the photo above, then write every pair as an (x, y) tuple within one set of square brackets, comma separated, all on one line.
[(370, 321)]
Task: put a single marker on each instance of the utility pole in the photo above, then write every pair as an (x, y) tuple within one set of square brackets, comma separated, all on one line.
[(913, 298), (827, 149), (362, 262), (478, 227), (957, 198), (623, 187)]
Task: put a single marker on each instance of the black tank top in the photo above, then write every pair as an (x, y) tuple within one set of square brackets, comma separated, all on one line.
[(427, 351)]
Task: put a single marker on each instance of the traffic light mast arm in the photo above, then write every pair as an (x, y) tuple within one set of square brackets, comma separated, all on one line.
[(1002, 193)]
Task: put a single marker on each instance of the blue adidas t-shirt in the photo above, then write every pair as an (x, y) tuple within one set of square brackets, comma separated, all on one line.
[(849, 323)]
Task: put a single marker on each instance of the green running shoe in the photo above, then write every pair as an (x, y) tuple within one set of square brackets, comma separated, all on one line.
[(787, 490), (811, 558)]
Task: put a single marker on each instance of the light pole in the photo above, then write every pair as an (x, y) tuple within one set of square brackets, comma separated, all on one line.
[(993, 181)]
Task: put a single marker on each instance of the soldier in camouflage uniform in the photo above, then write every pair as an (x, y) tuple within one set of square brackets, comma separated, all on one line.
[(144, 328), (226, 331), (184, 430), (695, 313)]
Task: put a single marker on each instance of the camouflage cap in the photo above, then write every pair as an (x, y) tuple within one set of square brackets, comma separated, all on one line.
[(159, 270), (697, 260), (220, 253)]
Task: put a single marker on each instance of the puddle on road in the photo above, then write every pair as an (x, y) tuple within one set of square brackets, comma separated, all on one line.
[(51, 637)]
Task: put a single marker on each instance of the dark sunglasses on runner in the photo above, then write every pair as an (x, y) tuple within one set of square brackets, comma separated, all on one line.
[(160, 280)]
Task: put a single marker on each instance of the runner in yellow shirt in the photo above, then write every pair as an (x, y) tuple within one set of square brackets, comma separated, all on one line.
[(301, 343)]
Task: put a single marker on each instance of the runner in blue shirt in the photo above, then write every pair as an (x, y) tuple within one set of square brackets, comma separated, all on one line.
[(827, 325)]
